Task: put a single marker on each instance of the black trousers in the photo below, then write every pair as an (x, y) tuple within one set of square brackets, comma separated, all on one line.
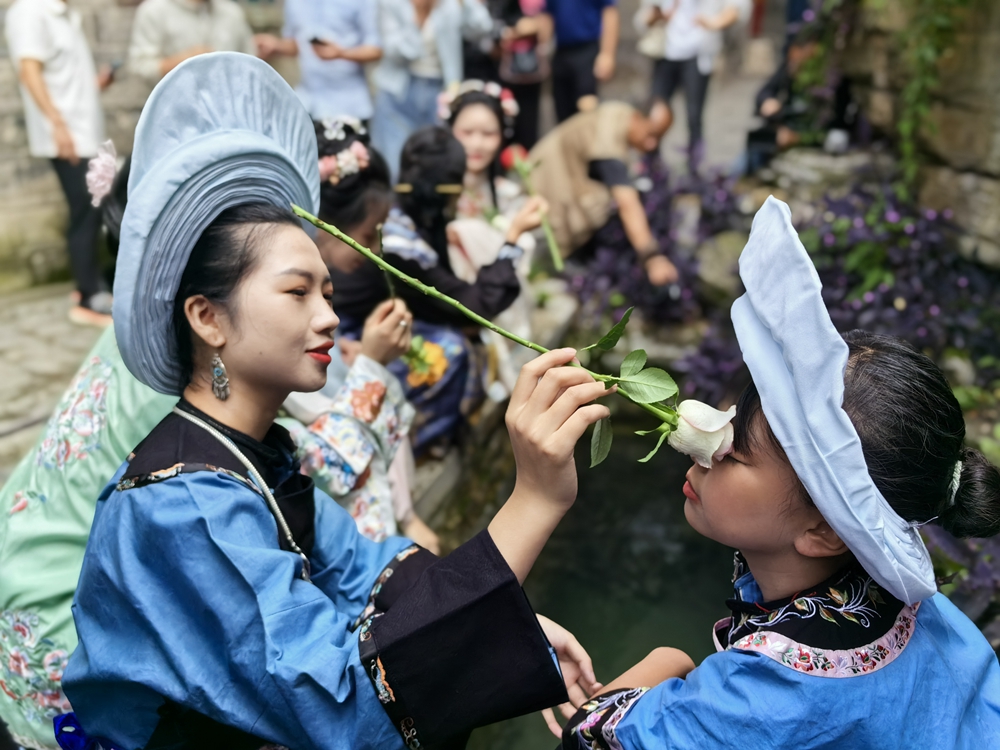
[(573, 76), (668, 75), (528, 96), (84, 225)]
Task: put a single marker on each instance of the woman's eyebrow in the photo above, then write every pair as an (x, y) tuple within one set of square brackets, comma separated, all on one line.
[(308, 275)]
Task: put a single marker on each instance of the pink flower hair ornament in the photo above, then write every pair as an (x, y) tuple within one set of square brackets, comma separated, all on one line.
[(101, 171), (344, 163)]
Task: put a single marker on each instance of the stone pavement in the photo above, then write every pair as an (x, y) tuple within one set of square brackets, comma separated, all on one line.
[(40, 350)]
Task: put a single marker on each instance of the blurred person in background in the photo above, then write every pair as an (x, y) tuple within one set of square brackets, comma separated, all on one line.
[(795, 115), (582, 171), (60, 88), (333, 40), (693, 41), (421, 56), (515, 54), (586, 34), (165, 33)]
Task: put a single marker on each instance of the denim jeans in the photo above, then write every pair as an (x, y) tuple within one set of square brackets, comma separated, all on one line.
[(397, 119)]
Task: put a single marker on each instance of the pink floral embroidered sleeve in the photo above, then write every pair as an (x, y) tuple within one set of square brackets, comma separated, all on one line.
[(346, 443)]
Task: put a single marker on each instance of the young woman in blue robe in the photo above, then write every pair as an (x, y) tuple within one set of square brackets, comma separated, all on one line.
[(837, 637), (223, 601)]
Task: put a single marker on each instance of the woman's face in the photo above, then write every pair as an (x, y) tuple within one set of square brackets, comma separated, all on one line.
[(346, 259), (478, 130), (280, 339)]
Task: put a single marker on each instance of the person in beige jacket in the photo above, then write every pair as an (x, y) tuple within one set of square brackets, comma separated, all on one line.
[(582, 172)]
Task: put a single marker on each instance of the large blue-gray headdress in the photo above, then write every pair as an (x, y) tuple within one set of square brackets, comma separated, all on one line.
[(797, 360), (218, 131)]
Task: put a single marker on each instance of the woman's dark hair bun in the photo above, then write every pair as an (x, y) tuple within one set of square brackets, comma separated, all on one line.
[(346, 203), (976, 511)]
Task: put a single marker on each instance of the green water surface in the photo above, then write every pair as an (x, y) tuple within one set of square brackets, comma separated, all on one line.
[(625, 573)]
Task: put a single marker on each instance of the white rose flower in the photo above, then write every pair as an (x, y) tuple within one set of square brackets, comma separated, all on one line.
[(704, 433)]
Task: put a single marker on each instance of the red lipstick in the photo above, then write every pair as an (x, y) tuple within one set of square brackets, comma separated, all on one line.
[(689, 492), (322, 353)]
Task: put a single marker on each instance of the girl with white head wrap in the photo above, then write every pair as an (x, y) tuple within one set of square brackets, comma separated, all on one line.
[(838, 638), (223, 601)]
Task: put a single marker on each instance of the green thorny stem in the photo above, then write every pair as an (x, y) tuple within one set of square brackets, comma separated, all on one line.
[(663, 413), (523, 169)]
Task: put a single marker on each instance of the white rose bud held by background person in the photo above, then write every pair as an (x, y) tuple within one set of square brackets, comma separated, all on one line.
[(704, 433)]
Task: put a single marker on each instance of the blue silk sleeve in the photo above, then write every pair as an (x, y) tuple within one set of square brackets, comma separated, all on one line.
[(184, 595)]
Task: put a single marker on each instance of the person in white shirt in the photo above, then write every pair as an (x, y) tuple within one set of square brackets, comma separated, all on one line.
[(693, 42), (165, 33), (60, 88)]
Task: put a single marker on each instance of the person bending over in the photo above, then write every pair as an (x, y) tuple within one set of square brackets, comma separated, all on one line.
[(582, 173)]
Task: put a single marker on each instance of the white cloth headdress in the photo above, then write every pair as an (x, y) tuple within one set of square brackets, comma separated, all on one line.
[(797, 360)]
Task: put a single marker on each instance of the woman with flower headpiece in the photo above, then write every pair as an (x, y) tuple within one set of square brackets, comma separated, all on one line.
[(482, 116), (225, 602), (444, 380)]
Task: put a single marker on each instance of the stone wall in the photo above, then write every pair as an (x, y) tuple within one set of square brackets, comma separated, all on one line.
[(962, 139), (32, 210)]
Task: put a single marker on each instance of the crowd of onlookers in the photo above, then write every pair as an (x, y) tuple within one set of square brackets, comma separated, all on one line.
[(387, 64)]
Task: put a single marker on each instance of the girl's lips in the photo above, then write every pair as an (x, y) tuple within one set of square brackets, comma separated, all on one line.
[(689, 492)]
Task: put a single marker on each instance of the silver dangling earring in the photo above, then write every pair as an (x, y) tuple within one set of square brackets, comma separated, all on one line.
[(220, 381)]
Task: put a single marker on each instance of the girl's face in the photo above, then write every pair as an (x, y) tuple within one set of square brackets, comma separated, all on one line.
[(751, 503), (478, 130), (280, 339), (344, 258)]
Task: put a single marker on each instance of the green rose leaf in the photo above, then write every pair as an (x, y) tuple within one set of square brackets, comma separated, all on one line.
[(659, 443), (600, 442), (648, 386), (610, 340), (634, 363)]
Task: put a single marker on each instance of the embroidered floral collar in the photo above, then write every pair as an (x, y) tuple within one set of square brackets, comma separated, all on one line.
[(844, 611), (843, 627)]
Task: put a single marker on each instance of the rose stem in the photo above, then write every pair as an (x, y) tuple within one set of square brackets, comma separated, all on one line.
[(661, 412), (524, 170)]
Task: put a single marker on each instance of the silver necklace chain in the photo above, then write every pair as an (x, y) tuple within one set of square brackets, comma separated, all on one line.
[(258, 480)]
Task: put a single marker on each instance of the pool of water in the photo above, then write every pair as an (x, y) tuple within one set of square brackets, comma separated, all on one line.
[(625, 573)]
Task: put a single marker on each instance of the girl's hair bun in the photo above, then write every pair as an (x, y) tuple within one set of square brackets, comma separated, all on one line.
[(976, 510)]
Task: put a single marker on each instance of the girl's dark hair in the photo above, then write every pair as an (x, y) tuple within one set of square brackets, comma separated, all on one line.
[(225, 254), (349, 202), (912, 433), (431, 157), (493, 104)]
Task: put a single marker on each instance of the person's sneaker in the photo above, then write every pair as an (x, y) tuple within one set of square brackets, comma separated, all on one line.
[(95, 312)]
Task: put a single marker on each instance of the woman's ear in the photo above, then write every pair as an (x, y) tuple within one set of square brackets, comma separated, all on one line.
[(206, 320), (820, 541)]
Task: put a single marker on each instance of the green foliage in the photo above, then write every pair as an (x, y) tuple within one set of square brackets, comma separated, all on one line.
[(929, 35), (649, 387), (600, 442), (610, 340)]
